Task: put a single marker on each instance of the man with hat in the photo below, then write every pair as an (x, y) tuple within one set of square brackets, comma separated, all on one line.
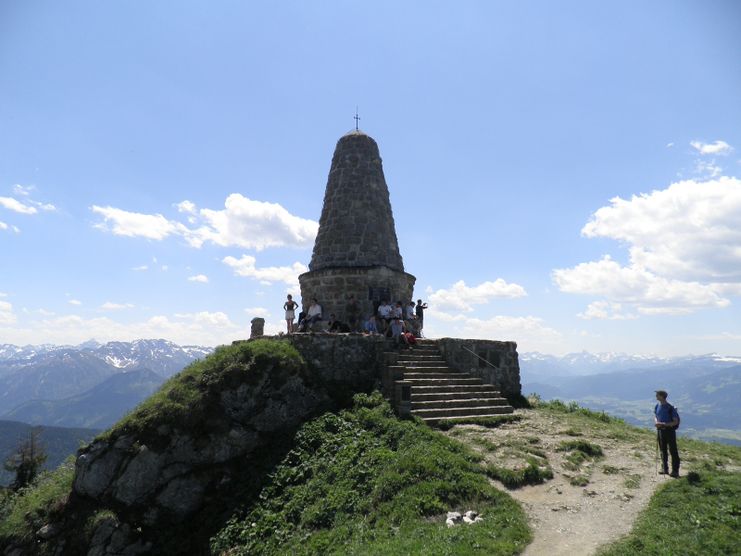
[(666, 419)]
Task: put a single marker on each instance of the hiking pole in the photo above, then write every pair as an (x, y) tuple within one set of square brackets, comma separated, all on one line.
[(657, 452)]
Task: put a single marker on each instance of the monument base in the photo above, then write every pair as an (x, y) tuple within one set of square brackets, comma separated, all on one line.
[(332, 288)]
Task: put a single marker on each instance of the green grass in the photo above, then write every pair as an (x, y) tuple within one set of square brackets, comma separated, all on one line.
[(184, 400), (24, 512), (488, 422), (690, 518), (573, 407), (632, 481), (581, 454), (364, 482), (532, 474)]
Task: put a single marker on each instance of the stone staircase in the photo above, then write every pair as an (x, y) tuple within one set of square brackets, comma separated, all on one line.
[(420, 382)]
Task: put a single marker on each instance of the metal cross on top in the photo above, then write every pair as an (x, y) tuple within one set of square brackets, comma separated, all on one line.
[(356, 118)]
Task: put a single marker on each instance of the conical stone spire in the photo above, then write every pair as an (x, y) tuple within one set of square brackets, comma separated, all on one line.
[(356, 255), (356, 228)]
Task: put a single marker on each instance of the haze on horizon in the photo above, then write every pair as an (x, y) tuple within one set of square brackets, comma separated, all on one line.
[(565, 176)]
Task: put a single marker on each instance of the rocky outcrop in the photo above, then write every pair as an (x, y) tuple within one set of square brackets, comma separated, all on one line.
[(175, 466)]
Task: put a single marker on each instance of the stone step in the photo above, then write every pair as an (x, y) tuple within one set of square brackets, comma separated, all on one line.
[(422, 362), (453, 394), (471, 402), (457, 412), (422, 365), (412, 375), (434, 420), (422, 390), (415, 355), (444, 381)]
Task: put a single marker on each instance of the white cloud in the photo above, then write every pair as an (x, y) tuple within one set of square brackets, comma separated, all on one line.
[(187, 207), (708, 169), (719, 147), (635, 285), (689, 231), (75, 302), (242, 223), (605, 310), (203, 328), (245, 266), (669, 145), (16, 206), (7, 316), (257, 312), (530, 333), (201, 278), (9, 227), (141, 268), (110, 306), (24, 190), (461, 297), (135, 224)]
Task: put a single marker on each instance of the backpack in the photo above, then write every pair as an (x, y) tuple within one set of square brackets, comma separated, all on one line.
[(674, 410)]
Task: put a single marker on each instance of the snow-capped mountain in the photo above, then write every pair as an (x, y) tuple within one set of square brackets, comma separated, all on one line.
[(57, 372)]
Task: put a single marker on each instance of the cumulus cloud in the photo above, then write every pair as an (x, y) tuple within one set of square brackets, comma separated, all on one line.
[(531, 333), (141, 268), (257, 312), (462, 298), (242, 223), (684, 250), (718, 147), (201, 278), (245, 266), (16, 206), (135, 224), (74, 302), (110, 306), (7, 316), (203, 328), (689, 231), (633, 284)]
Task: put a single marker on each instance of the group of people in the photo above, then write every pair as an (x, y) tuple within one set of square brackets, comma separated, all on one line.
[(403, 321)]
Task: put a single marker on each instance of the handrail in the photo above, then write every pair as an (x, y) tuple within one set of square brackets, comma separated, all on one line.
[(477, 355)]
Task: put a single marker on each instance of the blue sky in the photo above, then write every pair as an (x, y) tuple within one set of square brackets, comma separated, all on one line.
[(566, 175)]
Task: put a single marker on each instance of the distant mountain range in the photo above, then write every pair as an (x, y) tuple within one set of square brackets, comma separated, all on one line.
[(706, 389), (90, 385)]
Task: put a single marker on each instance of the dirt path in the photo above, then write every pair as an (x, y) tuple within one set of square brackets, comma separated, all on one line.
[(575, 520)]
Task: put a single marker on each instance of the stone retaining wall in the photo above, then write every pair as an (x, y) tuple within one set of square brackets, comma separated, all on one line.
[(503, 370)]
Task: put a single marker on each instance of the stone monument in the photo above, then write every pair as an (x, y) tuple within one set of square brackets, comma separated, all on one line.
[(356, 251)]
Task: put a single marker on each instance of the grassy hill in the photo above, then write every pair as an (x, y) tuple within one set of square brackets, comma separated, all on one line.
[(361, 481)]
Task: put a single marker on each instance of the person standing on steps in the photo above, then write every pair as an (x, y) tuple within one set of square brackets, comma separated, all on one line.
[(666, 419), (420, 315), (290, 307)]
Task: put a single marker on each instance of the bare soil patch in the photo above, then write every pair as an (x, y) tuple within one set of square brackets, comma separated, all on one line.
[(568, 519)]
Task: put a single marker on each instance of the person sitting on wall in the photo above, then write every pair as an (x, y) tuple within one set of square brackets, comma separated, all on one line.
[(371, 326), (409, 311), (397, 311), (301, 326), (384, 314), (396, 328), (314, 314), (408, 338), (337, 326), (352, 311)]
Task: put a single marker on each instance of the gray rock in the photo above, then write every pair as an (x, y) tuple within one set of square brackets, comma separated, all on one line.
[(139, 478), (49, 531), (182, 496)]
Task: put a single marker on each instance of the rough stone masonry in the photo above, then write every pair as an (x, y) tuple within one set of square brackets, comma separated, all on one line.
[(356, 251)]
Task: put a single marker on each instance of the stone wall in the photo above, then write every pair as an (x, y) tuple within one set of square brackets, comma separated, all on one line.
[(344, 363), (502, 369), (331, 287)]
